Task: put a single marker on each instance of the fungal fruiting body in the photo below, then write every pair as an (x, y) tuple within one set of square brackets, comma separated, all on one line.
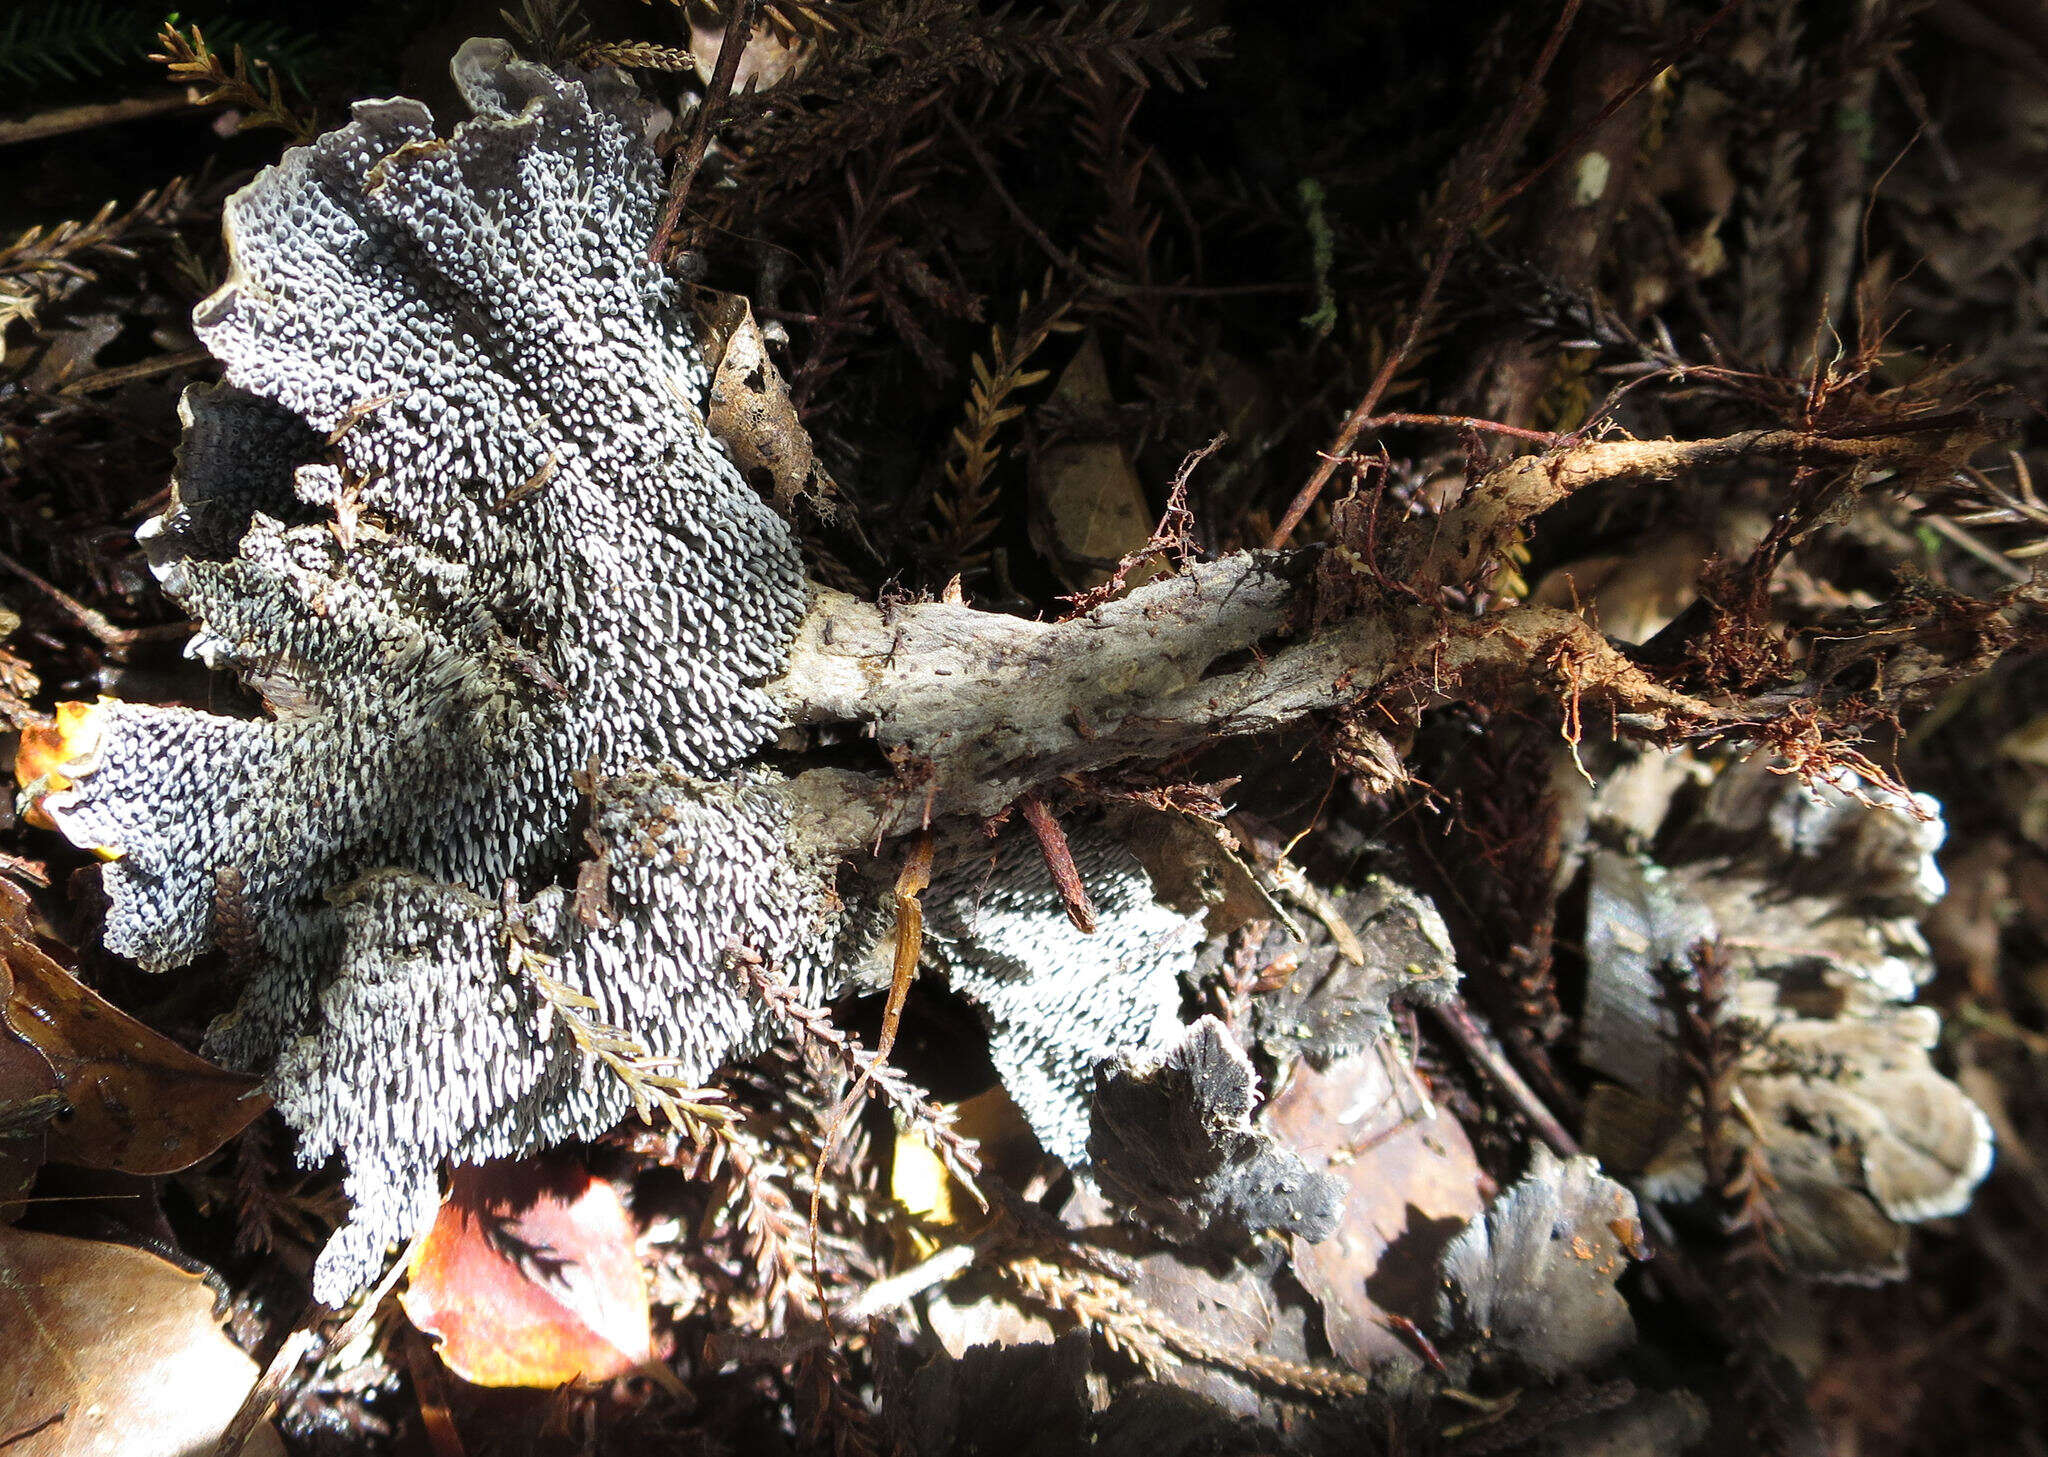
[(455, 515)]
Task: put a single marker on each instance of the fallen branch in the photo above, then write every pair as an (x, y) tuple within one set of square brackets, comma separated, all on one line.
[(977, 709)]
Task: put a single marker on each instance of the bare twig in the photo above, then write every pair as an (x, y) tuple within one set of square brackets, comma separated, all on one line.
[(115, 639), (1453, 1017), (64, 120), (1059, 861), (739, 24), (1643, 80), (1463, 216), (1220, 650)]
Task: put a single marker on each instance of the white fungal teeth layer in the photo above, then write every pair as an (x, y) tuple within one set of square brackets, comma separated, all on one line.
[(455, 515), (1060, 1003)]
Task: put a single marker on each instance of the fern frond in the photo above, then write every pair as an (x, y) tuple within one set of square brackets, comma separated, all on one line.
[(70, 41), (38, 266), (966, 510), (932, 1125), (258, 94), (899, 170)]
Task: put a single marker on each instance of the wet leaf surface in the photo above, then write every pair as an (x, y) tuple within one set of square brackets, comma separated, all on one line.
[(112, 1352), (1410, 1180)]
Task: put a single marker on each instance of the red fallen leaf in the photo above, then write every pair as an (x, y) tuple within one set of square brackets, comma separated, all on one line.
[(529, 1278), (1411, 1183), (138, 1101)]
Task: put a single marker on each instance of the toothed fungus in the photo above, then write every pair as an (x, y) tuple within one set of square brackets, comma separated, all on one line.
[(455, 514)]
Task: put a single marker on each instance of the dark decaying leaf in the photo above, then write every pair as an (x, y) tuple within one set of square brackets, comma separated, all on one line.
[(29, 1098), (1533, 1280), (1034, 1400), (529, 1277), (1236, 1308), (1029, 1399), (1174, 1140), (1410, 1184), (1650, 1424), (136, 1100), (1194, 869), (112, 1352)]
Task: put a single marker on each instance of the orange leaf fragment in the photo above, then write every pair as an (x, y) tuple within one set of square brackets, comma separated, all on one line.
[(529, 1278), (54, 752)]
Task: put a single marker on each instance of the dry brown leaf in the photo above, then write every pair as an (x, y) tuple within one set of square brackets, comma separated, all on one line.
[(1092, 496), (750, 409), (1631, 597), (1411, 1183), (768, 59), (1195, 870), (112, 1352), (139, 1102)]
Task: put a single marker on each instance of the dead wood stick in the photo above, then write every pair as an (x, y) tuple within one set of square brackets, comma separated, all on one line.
[(1493, 1064), (739, 25), (989, 707)]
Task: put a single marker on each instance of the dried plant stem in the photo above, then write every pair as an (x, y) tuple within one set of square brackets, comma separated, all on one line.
[(1464, 215), (1641, 82), (739, 24), (1156, 1341), (115, 639), (64, 120)]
